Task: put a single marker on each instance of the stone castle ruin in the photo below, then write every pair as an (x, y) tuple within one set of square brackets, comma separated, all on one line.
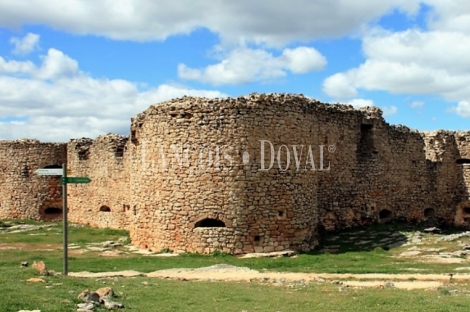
[(258, 173)]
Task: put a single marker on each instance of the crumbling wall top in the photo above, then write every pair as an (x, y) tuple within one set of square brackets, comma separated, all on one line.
[(254, 100), (29, 142)]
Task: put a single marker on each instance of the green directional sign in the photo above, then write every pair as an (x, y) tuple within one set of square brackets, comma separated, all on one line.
[(68, 180)]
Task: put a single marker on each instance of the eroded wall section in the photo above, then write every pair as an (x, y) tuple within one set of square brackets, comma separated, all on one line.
[(104, 201)]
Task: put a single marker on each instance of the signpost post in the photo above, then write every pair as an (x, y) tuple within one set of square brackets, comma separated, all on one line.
[(65, 180), (64, 218)]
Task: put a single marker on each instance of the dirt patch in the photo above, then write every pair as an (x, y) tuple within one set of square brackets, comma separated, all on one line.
[(128, 273), (440, 259), (29, 246)]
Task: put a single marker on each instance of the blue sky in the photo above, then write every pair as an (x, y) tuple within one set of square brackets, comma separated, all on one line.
[(73, 69)]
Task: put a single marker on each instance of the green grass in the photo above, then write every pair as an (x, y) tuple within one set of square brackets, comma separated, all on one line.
[(145, 294), (346, 260)]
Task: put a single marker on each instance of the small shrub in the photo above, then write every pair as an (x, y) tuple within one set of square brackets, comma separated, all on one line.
[(444, 291), (218, 253)]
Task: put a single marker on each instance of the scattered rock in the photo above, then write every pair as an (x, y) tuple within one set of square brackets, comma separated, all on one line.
[(24, 264), (94, 248), (89, 296), (108, 304), (285, 253), (432, 230), (110, 244), (98, 297), (27, 227), (452, 237), (41, 267), (165, 254), (459, 253), (389, 284), (29, 311), (85, 307), (105, 292)]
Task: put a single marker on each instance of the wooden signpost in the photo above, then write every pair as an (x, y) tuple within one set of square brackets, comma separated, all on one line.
[(65, 180)]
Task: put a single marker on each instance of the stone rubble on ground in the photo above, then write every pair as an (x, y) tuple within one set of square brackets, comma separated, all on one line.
[(432, 230), (41, 267), (274, 254), (452, 237), (26, 227), (85, 307), (111, 244), (96, 298)]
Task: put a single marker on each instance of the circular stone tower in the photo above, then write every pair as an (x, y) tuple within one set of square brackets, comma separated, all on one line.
[(235, 175), (25, 195)]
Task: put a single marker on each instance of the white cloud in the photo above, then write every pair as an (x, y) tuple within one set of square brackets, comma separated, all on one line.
[(340, 86), (409, 62), (56, 101), (302, 60), (450, 15), (358, 103), (15, 67), (25, 45), (417, 104), (274, 22), (244, 65), (415, 61), (462, 109), (389, 110), (57, 65)]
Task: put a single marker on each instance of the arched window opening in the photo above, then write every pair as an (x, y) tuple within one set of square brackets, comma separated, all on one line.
[(208, 222), (83, 154), (466, 210), (429, 213), (105, 208), (25, 171), (385, 214), (52, 211), (462, 161), (119, 151)]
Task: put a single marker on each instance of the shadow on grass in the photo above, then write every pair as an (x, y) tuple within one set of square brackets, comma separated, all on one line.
[(383, 236)]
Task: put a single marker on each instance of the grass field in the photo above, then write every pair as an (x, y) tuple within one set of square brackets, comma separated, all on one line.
[(59, 293)]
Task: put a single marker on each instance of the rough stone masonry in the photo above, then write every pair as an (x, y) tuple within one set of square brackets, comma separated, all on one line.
[(257, 173)]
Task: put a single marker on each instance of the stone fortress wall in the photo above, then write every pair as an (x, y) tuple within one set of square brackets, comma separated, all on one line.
[(104, 202), (191, 176), (23, 194)]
